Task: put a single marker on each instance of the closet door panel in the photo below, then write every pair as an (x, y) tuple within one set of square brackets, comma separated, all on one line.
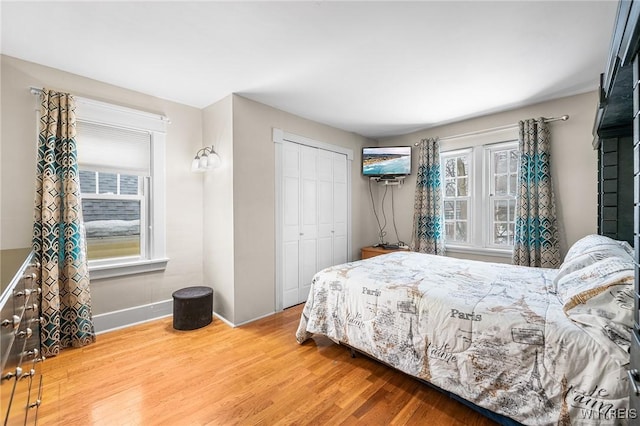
[(309, 207), (291, 192), (309, 195), (325, 209), (309, 220), (314, 188), (339, 250), (325, 224), (340, 204), (325, 253), (291, 210), (340, 208), (290, 223), (325, 165), (308, 268), (339, 167), (291, 274)]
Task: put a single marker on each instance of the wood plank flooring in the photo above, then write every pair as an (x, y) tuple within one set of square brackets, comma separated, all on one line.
[(151, 374)]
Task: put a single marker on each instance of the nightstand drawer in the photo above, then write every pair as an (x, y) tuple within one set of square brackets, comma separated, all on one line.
[(372, 251)]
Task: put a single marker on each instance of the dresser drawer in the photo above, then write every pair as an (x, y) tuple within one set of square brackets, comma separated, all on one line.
[(7, 389), (372, 251), (35, 399), (18, 411), (20, 348), (10, 322)]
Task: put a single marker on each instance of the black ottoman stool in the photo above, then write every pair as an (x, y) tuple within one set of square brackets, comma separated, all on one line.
[(192, 307)]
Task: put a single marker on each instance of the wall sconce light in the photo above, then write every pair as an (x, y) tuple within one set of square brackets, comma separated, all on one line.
[(206, 159)]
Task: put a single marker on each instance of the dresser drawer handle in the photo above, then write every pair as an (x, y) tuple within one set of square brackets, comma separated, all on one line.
[(32, 353), (12, 374), (25, 293), (25, 333), (39, 320), (35, 404), (30, 373), (31, 276), (13, 322), (33, 307)]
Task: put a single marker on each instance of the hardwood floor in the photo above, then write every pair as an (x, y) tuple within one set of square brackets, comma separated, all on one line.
[(151, 374)]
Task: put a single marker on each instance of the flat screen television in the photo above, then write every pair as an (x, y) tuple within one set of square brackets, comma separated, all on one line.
[(386, 161)]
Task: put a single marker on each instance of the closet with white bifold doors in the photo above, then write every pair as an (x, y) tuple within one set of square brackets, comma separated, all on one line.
[(314, 196)]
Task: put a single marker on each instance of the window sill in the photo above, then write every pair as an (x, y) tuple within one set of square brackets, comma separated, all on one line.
[(118, 269), (481, 251)]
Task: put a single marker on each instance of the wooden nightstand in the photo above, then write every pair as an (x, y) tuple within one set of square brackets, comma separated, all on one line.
[(367, 252)]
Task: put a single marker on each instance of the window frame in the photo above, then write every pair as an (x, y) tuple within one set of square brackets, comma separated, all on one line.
[(141, 197), (479, 188), (154, 258), (468, 198), (490, 196)]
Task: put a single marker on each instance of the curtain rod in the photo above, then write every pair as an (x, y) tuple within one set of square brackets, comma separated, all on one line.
[(496, 129), (38, 91)]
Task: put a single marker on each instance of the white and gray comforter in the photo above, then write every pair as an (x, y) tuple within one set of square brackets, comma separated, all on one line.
[(497, 335)]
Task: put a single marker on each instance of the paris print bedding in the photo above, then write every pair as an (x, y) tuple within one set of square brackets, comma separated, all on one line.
[(540, 346)]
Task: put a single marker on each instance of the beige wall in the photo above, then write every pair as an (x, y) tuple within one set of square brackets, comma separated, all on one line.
[(573, 163), (183, 192), (254, 198), (218, 198), (221, 225)]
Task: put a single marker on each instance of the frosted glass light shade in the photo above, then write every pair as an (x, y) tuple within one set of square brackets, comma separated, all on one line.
[(213, 161), (206, 159)]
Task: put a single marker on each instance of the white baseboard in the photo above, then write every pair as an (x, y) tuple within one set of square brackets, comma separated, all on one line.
[(127, 317), (230, 324), (115, 320), (255, 319), (224, 320)]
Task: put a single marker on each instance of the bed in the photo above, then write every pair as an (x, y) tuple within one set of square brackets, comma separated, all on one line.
[(538, 346)]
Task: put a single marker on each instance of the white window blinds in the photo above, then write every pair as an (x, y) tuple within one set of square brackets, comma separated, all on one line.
[(113, 149)]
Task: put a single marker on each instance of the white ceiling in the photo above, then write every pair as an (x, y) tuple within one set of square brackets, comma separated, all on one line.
[(374, 68)]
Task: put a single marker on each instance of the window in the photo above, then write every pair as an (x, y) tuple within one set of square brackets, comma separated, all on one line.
[(457, 198), (479, 197), (503, 181), (114, 213), (121, 162)]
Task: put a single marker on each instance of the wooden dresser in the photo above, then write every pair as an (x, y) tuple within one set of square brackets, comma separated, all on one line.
[(21, 380), (371, 251)]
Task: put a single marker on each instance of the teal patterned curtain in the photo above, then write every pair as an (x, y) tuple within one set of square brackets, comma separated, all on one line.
[(536, 234), (58, 233), (428, 222)]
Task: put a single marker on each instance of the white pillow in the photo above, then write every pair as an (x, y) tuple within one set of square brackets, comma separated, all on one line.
[(595, 243), (596, 290), (608, 318), (589, 250), (579, 285)]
